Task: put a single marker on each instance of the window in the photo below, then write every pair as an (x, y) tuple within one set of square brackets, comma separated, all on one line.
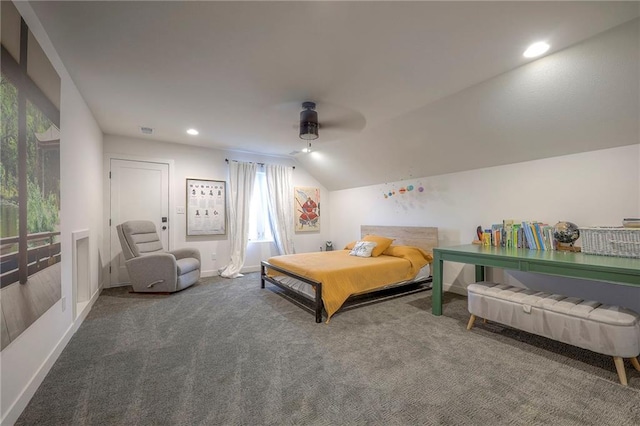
[(259, 224)]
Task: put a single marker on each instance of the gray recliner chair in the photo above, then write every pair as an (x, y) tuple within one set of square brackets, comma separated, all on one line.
[(150, 267)]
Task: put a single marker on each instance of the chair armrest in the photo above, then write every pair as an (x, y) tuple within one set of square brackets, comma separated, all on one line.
[(186, 252), (153, 272)]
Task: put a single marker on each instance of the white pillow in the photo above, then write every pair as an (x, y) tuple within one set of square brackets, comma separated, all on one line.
[(363, 249)]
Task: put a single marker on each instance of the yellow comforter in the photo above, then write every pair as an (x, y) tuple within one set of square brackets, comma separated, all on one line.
[(343, 275)]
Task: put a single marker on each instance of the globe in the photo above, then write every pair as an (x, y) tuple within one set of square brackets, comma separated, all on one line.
[(566, 232)]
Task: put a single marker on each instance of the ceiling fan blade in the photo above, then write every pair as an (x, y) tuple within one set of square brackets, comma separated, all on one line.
[(335, 121), (354, 124)]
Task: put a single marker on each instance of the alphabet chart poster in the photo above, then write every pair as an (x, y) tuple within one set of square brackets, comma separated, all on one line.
[(206, 207)]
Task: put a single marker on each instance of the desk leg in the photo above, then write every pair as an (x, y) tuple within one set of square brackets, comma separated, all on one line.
[(479, 273), (436, 286)]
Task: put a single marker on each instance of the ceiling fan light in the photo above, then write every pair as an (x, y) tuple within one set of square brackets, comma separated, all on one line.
[(308, 130), (308, 122)]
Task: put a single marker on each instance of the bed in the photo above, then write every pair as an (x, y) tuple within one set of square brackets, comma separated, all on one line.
[(329, 279)]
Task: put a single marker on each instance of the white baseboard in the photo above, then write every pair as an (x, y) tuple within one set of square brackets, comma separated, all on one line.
[(216, 273), (85, 311), (243, 270), (250, 269), (206, 274), (13, 413), (117, 285), (455, 289)]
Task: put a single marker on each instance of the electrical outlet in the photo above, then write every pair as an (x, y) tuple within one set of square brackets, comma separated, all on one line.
[(64, 304), (213, 256)]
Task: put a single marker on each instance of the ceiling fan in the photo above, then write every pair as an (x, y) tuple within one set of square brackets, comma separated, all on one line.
[(340, 122), (309, 121)]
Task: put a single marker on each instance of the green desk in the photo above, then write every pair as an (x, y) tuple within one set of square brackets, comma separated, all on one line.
[(620, 270)]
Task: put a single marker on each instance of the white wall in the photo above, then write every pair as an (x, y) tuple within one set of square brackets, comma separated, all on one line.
[(204, 163), (579, 99), (593, 188), (26, 361)]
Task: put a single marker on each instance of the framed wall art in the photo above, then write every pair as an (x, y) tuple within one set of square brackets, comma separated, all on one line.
[(30, 200), (307, 209), (206, 207)]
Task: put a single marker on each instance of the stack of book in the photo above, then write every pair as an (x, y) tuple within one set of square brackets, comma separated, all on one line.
[(514, 234)]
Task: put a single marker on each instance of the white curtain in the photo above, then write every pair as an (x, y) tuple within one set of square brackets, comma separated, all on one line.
[(242, 177), (280, 196)]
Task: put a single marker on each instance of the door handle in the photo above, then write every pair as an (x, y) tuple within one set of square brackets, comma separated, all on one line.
[(164, 228)]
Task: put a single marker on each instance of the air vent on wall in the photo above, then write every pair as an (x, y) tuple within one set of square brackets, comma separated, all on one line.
[(146, 130)]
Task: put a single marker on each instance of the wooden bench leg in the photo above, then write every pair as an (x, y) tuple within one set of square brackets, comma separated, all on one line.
[(619, 362), (635, 363), (472, 319)]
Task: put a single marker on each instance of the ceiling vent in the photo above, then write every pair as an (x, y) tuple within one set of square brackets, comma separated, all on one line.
[(146, 130)]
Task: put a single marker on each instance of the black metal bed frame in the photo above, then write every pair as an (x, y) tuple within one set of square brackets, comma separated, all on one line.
[(317, 285), (317, 302)]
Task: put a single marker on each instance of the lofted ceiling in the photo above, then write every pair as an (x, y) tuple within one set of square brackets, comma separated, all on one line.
[(404, 89)]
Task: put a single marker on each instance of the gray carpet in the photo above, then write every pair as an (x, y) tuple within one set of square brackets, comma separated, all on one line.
[(227, 352)]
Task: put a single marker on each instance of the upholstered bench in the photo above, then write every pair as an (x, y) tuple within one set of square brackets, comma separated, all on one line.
[(609, 330)]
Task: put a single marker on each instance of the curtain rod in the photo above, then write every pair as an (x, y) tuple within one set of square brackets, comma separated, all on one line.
[(260, 164)]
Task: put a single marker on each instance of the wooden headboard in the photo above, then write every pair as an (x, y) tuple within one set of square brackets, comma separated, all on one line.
[(419, 236)]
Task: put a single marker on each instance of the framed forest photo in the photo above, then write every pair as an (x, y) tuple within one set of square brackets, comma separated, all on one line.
[(30, 205), (307, 209)]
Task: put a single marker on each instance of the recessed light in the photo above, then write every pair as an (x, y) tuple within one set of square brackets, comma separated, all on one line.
[(536, 49), (193, 132)]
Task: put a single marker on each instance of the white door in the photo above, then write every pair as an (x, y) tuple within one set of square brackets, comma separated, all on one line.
[(139, 191)]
